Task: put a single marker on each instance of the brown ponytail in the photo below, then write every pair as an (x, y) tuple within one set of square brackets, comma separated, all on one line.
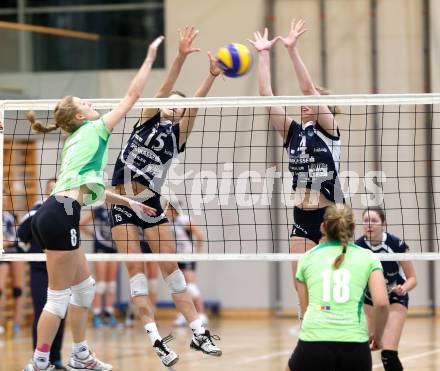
[(64, 114), (339, 225)]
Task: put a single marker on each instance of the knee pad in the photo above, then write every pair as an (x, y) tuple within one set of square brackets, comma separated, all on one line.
[(58, 302), (176, 282), (138, 285), (390, 360), (111, 287), (152, 285), (83, 293), (193, 290), (17, 292), (101, 287)]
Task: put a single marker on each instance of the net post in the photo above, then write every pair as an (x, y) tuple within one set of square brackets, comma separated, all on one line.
[(2, 124)]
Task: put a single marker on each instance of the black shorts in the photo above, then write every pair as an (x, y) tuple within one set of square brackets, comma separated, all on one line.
[(100, 248), (307, 223), (124, 215), (392, 298), (145, 247), (55, 226), (187, 266), (330, 356)]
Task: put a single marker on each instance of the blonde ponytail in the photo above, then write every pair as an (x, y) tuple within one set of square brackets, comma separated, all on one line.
[(38, 126), (339, 225)]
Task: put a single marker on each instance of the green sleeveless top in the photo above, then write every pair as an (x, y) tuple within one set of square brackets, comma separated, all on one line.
[(83, 160)]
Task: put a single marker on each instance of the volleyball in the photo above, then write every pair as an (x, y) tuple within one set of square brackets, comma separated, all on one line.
[(234, 59)]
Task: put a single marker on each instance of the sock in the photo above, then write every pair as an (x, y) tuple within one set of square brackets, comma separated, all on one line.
[(197, 327), (81, 350), (109, 310), (96, 311), (152, 332), (41, 359)]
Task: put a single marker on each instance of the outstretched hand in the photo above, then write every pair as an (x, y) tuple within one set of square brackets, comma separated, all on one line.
[(214, 69), (140, 208), (187, 36), (296, 30), (262, 42), (152, 49)]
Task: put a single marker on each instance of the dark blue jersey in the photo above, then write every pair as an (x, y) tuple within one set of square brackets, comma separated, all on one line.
[(148, 154), (9, 232), (314, 157), (101, 226), (392, 270), (25, 237)]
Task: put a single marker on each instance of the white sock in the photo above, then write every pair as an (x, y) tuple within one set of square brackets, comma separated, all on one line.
[(41, 359), (96, 311), (152, 332), (81, 350), (197, 327), (109, 310)]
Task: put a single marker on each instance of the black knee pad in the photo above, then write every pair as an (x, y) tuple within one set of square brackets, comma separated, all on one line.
[(390, 360), (17, 292)]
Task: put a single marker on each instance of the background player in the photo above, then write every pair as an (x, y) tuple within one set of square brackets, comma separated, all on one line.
[(400, 278), (105, 271), (331, 282)]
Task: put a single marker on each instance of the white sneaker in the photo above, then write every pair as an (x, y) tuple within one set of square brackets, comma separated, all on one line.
[(31, 366), (180, 321), (204, 343), (89, 363), (204, 318), (166, 355)]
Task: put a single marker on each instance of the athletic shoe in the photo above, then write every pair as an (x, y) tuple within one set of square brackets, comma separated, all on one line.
[(166, 355), (110, 320), (204, 343), (180, 320), (31, 366), (204, 318), (97, 321), (89, 363)]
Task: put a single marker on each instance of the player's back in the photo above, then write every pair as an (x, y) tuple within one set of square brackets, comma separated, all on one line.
[(336, 296)]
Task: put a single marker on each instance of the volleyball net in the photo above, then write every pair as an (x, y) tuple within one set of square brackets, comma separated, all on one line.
[(233, 181)]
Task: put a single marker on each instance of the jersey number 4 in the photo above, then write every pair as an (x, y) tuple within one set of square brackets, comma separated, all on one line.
[(335, 285)]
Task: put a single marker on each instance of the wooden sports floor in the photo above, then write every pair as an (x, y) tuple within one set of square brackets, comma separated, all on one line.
[(248, 345)]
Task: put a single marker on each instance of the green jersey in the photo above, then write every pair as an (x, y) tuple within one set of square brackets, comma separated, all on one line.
[(84, 158), (336, 296)]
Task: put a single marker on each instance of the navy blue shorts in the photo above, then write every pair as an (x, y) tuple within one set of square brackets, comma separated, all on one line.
[(190, 266), (392, 298), (100, 248), (124, 215), (307, 223)]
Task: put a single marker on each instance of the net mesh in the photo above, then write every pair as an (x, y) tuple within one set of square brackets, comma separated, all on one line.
[(233, 182)]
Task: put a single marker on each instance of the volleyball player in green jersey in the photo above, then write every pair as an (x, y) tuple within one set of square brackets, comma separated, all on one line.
[(56, 223), (331, 281)]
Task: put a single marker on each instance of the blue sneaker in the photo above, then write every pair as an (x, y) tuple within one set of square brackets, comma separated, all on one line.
[(111, 321), (15, 328), (97, 321)]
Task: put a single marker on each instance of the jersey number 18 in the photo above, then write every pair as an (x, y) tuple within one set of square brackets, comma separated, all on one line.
[(335, 285)]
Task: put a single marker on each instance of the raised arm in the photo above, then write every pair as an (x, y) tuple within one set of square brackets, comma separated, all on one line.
[(278, 117), (186, 37), (187, 122), (134, 91), (325, 116)]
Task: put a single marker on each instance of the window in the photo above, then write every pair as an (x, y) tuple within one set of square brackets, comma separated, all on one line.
[(108, 34)]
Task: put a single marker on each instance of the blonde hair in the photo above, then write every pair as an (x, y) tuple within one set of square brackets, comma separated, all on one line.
[(339, 225), (324, 91), (64, 114)]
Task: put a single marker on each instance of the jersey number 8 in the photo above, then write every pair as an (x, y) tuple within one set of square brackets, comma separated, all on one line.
[(340, 280)]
